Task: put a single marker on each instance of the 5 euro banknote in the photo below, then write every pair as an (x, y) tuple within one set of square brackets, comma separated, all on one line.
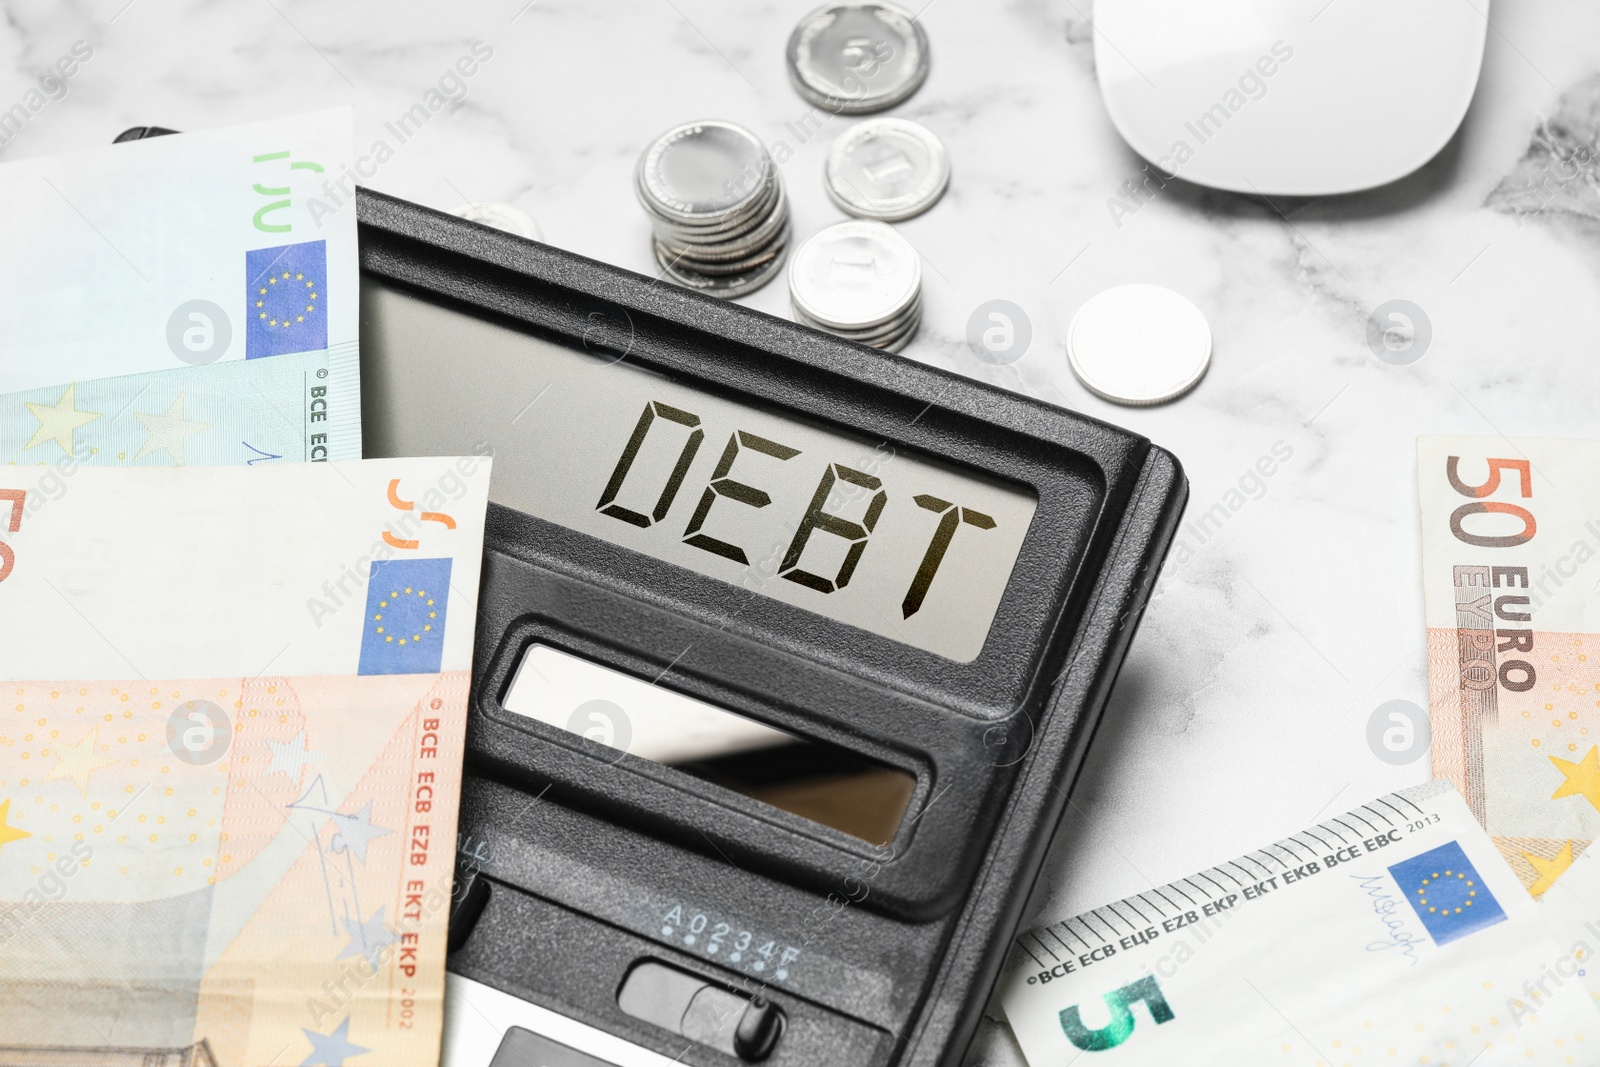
[(1393, 933), (235, 245), (230, 758)]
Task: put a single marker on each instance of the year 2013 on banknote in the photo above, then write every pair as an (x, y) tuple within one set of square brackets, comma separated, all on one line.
[(1392, 933)]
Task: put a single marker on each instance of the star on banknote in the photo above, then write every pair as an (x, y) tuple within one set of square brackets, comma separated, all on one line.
[(168, 432), (358, 831), (59, 421)]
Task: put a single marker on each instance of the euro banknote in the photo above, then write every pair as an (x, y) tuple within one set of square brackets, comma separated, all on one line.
[(230, 758), (231, 245), (1510, 535), (1571, 910), (218, 415), (1393, 933)]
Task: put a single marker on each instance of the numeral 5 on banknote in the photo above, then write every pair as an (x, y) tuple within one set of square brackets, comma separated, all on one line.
[(11, 502), (1119, 1002), (1480, 506), (1481, 584)]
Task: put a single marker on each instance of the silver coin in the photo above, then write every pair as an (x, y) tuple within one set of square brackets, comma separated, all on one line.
[(774, 249), (1139, 345), (728, 229), (868, 336), (859, 57), (889, 342), (704, 172), (855, 275), (501, 217), (718, 227), (722, 264), (900, 344), (902, 331), (889, 169), (888, 337), (728, 246), (893, 330), (891, 338), (724, 286)]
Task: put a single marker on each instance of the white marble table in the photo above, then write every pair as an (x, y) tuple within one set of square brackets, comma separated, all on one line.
[(1241, 713)]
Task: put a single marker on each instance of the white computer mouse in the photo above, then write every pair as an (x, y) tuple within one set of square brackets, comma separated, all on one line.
[(1290, 97)]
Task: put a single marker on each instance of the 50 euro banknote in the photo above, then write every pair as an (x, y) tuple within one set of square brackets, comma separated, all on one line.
[(230, 758), (1510, 540)]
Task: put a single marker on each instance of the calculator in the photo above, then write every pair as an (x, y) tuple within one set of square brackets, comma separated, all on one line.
[(788, 653)]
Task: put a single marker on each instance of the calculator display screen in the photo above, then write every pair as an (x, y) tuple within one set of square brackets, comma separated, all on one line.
[(851, 528)]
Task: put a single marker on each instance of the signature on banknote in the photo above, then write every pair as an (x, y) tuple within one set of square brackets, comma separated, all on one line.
[(1390, 912)]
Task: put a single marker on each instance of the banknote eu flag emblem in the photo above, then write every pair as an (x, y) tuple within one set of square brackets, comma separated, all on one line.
[(286, 299), (404, 628), (1447, 893)]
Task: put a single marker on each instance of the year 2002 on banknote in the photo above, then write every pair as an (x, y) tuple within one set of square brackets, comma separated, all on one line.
[(230, 758)]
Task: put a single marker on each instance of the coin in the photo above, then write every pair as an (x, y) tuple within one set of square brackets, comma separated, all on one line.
[(715, 227), (855, 275), (856, 58), (1139, 344), (723, 245), (501, 217), (889, 169), (704, 171), (901, 332), (898, 344), (681, 260), (725, 286), (873, 334), (892, 337), (730, 229)]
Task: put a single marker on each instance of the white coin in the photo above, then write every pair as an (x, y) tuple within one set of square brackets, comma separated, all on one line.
[(1139, 344), (854, 275), (501, 217), (888, 169)]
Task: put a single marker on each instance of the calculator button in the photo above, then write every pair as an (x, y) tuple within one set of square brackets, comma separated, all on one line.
[(702, 1011), (520, 1048)]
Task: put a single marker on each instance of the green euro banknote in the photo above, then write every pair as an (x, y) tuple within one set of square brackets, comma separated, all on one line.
[(1390, 934), (262, 411), (206, 248)]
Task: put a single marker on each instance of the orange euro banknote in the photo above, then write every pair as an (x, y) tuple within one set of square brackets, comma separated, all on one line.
[(226, 867), (1511, 563)]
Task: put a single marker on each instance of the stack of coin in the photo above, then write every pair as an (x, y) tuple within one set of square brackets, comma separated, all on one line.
[(717, 205), (861, 281)]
